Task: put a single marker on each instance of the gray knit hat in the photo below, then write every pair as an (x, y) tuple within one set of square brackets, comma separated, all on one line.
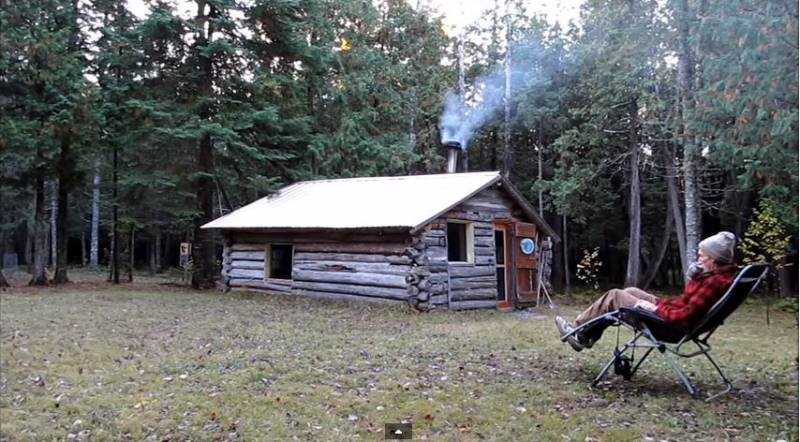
[(719, 247)]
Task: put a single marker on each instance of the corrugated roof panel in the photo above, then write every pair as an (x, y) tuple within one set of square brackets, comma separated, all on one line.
[(352, 203)]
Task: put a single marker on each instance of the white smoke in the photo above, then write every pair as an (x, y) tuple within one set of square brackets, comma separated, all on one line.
[(461, 119)]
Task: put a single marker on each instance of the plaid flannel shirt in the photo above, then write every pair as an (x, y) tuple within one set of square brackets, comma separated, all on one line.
[(698, 297)]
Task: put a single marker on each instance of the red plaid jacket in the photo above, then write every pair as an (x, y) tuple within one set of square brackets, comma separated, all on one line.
[(698, 297)]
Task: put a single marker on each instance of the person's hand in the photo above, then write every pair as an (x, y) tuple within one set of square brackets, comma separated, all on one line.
[(645, 305)]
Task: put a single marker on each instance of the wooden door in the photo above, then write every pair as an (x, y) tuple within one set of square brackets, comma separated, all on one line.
[(503, 264), (525, 262)]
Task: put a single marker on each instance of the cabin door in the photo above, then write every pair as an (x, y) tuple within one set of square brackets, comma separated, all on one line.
[(525, 262), (502, 263)]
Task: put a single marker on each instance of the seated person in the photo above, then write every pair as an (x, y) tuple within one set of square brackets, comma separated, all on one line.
[(710, 277)]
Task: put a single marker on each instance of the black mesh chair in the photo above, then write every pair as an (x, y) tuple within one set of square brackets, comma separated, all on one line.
[(651, 332)]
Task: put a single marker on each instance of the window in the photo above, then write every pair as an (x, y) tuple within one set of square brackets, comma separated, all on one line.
[(279, 261), (460, 245)]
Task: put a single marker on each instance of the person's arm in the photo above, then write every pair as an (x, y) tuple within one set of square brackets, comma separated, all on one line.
[(645, 305), (699, 295)]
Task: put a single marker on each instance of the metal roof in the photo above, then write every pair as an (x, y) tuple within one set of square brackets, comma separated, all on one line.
[(361, 203)]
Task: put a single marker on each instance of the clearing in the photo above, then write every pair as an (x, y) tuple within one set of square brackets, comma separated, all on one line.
[(147, 361)]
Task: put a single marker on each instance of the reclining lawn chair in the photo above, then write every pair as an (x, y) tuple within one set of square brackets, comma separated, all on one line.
[(651, 332)]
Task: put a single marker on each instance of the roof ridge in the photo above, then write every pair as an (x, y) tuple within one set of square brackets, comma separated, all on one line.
[(398, 177)]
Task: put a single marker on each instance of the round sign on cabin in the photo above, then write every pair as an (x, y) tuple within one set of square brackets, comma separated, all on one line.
[(528, 246)]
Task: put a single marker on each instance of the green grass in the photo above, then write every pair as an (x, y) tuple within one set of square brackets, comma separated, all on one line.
[(152, 362)]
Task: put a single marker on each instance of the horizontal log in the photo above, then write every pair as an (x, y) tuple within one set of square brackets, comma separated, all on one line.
[(435, 241), (350, 289), (484, 260), (246, 273), (356, 257), (470, 283), (352, 267), (379, 248), (484, 206), (252, 256), (438, 299), (246, 264), (473, 294), (470, 305), (471, 271), (259, 283), (367, 279), (469, 216), (436, 252), (345, 297), (248, 247), (483, 241)]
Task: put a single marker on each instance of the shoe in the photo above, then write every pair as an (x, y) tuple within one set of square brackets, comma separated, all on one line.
[(565, 328)]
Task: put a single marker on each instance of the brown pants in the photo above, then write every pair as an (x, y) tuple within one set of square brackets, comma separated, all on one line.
[(613, 300)]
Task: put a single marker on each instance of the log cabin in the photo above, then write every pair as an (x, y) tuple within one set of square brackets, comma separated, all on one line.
[(447, 241)]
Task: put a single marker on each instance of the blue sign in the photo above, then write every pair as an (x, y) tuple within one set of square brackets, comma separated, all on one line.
[(528, 246)]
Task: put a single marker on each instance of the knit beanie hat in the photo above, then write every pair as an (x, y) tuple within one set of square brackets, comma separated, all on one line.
[(719, 247)]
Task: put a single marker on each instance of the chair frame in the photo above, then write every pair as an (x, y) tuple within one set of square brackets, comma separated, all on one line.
[(647, 327)]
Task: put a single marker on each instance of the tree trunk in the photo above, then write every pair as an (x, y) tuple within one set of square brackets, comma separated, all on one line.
[(652, 271), (508, 155), (39, 236), (690, 156), (151, 256), (53, 242), (635, 207), (29, 245), (95, 227), (114, 220), (84, 257), (131, 254), (675, 205), (66, 169), (157, 251), (203, 248), (567, 285)]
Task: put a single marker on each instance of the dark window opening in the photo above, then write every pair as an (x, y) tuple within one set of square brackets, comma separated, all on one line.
[(280, 261), (459, 242)]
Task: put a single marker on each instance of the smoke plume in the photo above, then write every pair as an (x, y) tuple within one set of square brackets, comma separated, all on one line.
[(462, 118)]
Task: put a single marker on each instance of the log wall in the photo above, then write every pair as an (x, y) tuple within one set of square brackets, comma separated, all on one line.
[(366, 265), (461, 286)]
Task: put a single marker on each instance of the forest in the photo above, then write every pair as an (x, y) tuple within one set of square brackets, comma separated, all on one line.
[(636, 130)]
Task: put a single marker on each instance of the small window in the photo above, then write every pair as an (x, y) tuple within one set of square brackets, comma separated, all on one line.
[(460, 245), (279, 261)]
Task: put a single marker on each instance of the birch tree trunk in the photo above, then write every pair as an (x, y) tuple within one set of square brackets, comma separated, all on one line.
[(690, 155), (462, 92), (507, 154), (635, 207), (95, 226)]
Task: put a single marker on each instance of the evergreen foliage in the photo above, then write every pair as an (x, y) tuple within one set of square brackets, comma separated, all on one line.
[(210, 104)]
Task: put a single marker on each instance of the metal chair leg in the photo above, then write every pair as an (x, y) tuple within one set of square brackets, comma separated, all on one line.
[(686, 383), (725, 380), (641, 360)]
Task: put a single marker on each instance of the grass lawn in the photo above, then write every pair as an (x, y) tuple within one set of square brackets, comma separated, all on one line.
[(147, 361)]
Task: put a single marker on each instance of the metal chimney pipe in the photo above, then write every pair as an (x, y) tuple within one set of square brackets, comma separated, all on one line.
[(453, 156)]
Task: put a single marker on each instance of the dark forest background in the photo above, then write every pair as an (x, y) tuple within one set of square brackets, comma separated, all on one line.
[(640, 130)]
